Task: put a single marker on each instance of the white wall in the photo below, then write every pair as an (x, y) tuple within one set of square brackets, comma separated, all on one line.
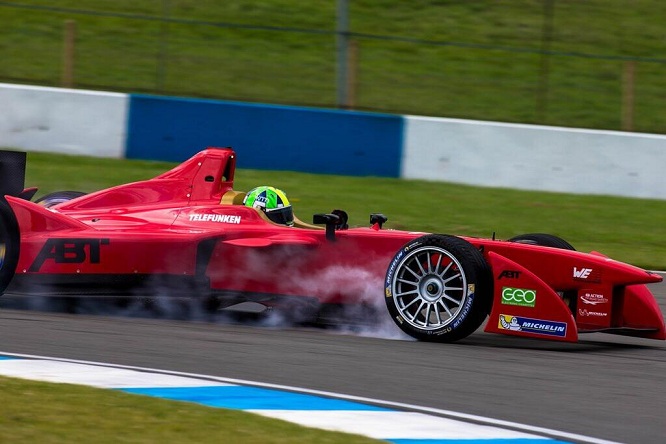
[(534, 157), (63, 120)]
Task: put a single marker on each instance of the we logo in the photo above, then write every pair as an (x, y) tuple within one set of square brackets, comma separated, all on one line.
[(583, 273)]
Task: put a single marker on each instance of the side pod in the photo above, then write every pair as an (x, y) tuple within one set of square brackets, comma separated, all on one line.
[(524, 305)]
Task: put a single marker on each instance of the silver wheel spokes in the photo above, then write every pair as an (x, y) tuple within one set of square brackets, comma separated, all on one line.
[(429, 288)]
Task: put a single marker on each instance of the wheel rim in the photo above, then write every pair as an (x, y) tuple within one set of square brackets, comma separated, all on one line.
[(52, 201), (429, 288)]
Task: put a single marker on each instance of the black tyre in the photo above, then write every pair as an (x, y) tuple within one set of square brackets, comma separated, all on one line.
[(58, 197), (548, 240), (545, 240), (9, 244), (438, 288)]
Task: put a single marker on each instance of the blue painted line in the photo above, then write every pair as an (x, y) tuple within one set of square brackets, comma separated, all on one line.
[(5, 358), (252, 398), (477, 441)]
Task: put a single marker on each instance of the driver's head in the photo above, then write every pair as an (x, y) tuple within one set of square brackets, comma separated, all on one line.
[(273, 202)]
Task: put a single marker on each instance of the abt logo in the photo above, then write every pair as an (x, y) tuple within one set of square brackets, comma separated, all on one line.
[(582, 273), (509, 274), (69, 251)]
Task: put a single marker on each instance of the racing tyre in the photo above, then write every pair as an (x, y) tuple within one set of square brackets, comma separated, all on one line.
[(9, 244), (548, 240), (545, 240), (58, 197), (438, 288)]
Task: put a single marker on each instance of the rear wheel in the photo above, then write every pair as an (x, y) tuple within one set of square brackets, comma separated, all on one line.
[(58, 197), (438, 288), (9, 244)]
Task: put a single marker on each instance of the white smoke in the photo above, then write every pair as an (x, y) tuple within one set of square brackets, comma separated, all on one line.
[(358, 280)]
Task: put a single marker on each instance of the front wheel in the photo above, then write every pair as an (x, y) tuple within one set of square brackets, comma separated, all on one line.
[(438, 288)]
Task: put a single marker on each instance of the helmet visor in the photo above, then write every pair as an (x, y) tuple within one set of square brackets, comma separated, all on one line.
[(283, 216)]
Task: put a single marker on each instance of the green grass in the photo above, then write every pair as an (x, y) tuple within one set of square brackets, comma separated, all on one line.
[(467, 59), (44, 413), (630, 230)]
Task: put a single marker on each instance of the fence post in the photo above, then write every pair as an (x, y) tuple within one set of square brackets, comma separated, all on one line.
[(163, 56), (69, 42), (352, 74), (342, 40), (628, 97), (544, 62)]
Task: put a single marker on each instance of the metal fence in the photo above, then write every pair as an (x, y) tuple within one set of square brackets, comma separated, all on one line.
[(593, 64)]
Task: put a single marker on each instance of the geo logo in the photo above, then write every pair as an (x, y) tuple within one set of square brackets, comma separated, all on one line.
[(518, 296)]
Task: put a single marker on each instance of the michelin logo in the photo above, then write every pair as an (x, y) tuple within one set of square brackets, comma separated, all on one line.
[(222, 218), (538, 326)]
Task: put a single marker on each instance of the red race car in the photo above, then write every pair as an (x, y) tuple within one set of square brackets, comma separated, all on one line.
[(188, 231)]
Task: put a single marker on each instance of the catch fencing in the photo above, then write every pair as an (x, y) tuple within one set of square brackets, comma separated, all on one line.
[(552, 62)]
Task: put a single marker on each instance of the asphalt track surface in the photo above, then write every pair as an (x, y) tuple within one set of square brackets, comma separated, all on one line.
[(606, 386)]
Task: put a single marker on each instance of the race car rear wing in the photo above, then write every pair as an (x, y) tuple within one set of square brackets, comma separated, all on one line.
[(12, 173)]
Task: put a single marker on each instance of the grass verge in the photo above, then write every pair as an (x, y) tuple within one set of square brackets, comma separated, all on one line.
[(42, 412)]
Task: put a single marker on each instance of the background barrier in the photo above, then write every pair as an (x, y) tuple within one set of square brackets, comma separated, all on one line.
[(335, 142), (63, 120), (267, 137), (535, 157)]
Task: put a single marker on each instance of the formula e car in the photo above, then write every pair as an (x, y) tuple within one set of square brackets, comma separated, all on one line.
[(187, 231)]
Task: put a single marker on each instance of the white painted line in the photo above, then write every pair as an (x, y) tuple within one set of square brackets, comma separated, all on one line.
[(395, 425), (95, 376)]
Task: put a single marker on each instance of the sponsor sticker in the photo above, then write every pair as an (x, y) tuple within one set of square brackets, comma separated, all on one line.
[(523, 297), (220, 218), (509, 274), (70, 251), (529, 325), (586, 274), (593, 299), (584, 312)]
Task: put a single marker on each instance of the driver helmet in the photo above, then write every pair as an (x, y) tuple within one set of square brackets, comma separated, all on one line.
[(271, 201)]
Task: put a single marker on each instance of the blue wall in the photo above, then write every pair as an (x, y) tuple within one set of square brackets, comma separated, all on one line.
[(267, 137)]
